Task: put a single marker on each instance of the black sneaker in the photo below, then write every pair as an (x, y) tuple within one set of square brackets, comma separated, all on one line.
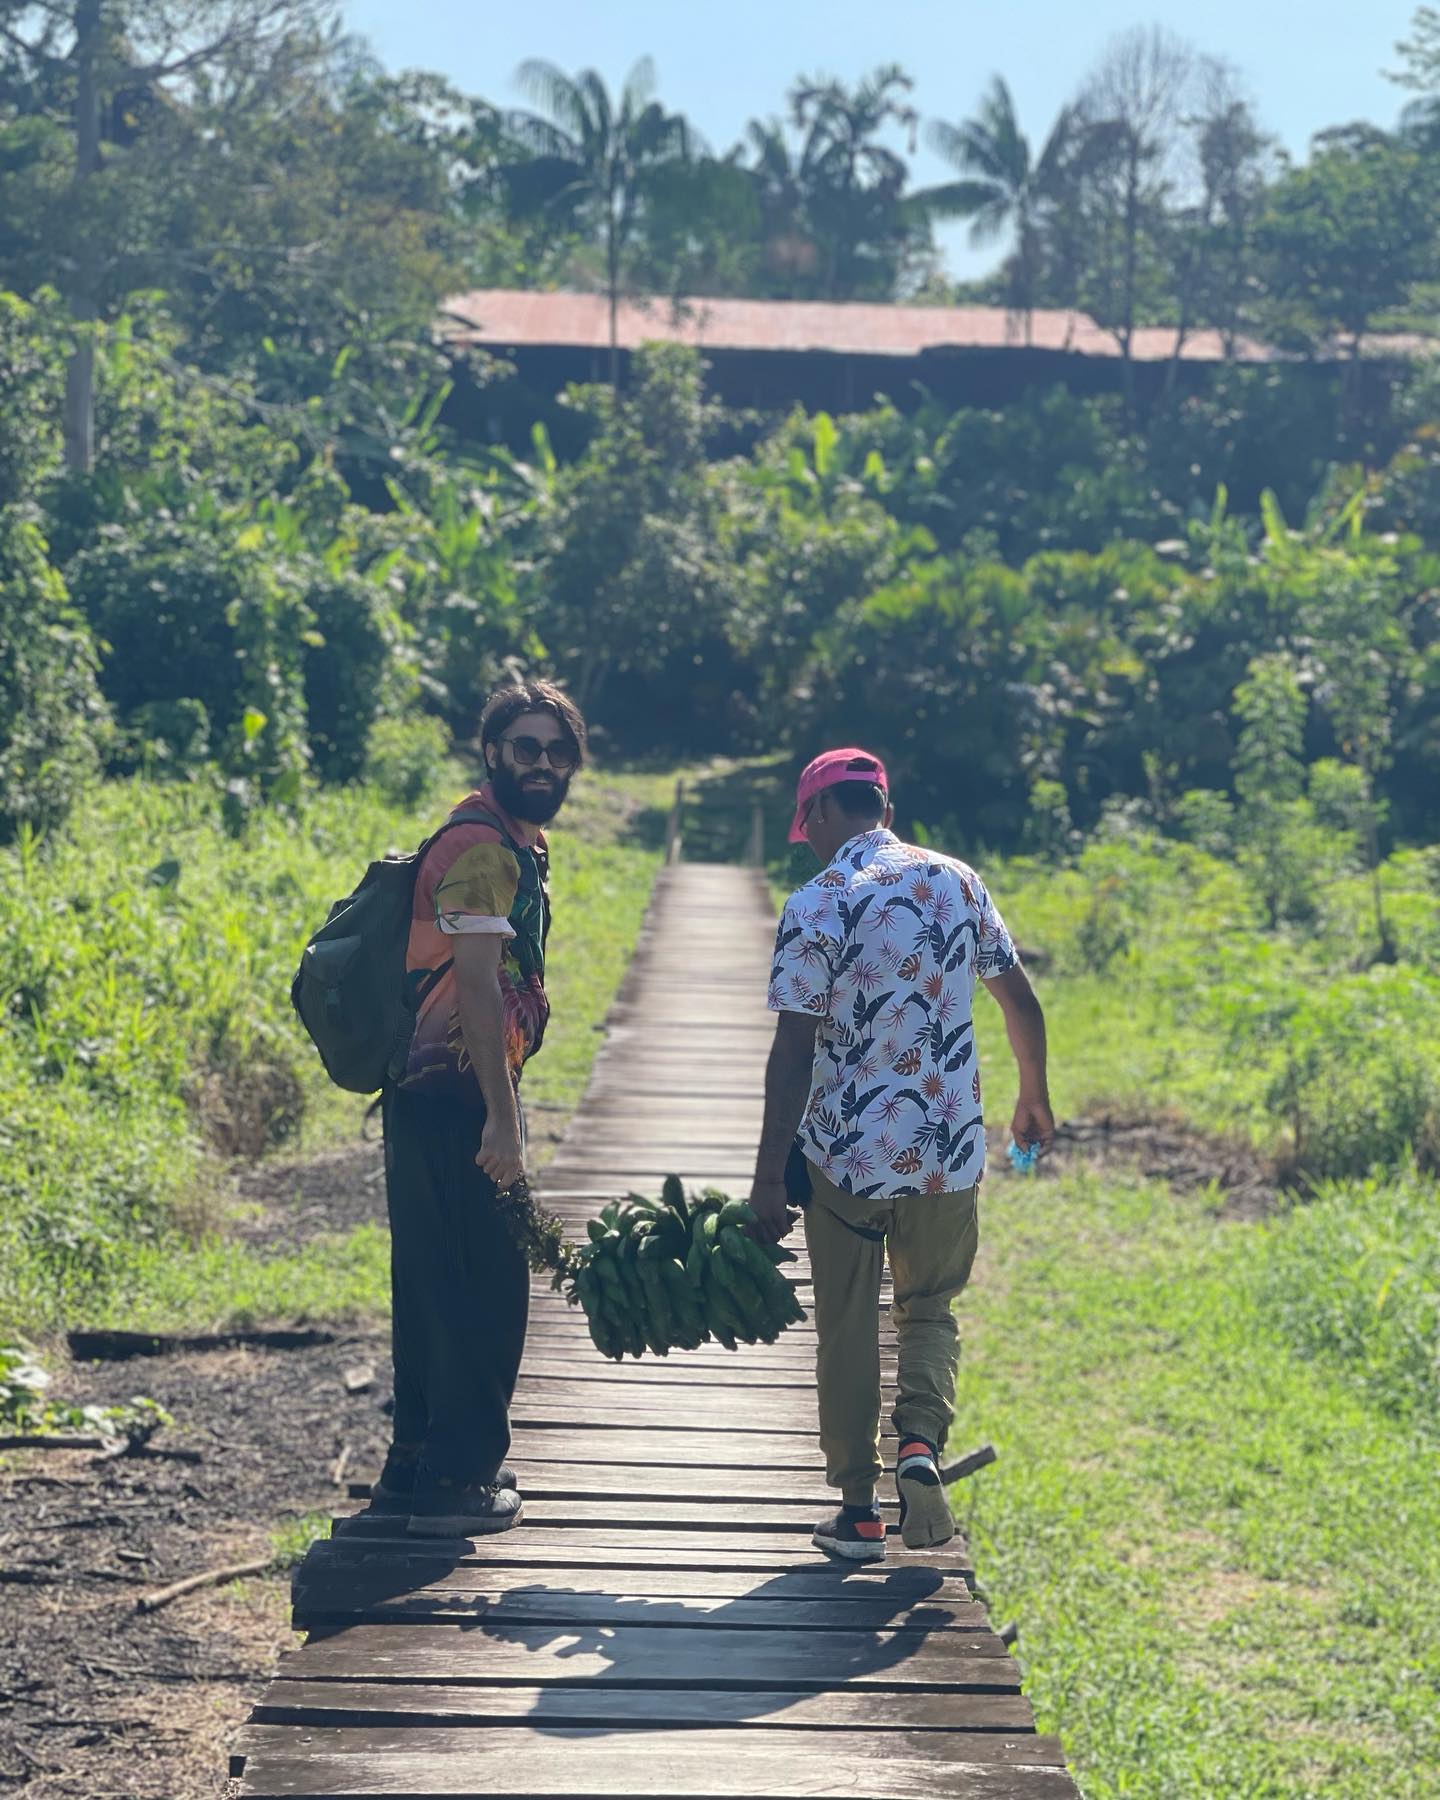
[(392, 1494), (441, 1508), (855, 1532), (925, 1518)]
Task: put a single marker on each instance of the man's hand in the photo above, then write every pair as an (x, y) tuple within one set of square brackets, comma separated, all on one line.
[(500, 1155), (1033, 1123), (771, 1206)]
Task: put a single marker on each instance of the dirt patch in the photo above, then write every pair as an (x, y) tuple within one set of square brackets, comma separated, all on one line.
[(1166, 1148), (97, 1699), (291, 1201)]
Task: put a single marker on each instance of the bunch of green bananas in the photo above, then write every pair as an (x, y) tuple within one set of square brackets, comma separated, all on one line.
[(672, 1273)]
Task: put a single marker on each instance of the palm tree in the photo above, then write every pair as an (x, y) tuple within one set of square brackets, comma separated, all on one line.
[(779, 181), (1003, 188), (591, 158), (852, 182)]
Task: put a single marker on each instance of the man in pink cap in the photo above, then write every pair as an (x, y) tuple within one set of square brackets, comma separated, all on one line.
[(873, 1124)]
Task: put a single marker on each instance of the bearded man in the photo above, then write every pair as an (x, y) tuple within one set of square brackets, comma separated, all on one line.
[(454, 1129)]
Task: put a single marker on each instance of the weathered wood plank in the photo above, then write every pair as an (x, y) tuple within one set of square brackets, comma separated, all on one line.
[(646, 1481), (407, 1704), (658, 1656), (676, 1370), (344, 1598), (614, 1549), (669, 1449), (900, 1588), (566, 1764)]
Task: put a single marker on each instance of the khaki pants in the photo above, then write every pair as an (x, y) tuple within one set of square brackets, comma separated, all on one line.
[(931, 1240)]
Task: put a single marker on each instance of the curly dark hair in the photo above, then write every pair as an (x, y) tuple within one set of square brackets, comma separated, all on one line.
[(513, 701)]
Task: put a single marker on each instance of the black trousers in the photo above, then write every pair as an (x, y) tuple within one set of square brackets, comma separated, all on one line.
[(460, 1290)]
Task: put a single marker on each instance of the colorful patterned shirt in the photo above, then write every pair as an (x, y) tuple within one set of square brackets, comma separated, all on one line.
[(884, 948), (471, 880)]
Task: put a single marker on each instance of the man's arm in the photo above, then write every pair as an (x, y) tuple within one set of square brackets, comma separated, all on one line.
[(787, 1088), (482, 1024), (1033, 1123)]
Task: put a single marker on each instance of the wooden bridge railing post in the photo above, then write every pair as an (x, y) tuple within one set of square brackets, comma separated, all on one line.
[(755, 850), (674, 827)]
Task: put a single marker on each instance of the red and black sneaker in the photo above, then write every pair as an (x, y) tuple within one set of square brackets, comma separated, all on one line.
[(855, 1532), (925, 1520)]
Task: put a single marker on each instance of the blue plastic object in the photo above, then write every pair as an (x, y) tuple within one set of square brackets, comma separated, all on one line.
[(1023, 1161)]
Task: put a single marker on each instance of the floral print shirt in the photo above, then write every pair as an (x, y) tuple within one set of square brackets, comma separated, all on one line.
[(884, 948), (472, 880)]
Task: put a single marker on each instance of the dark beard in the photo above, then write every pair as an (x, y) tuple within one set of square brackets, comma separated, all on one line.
[(536, 805)]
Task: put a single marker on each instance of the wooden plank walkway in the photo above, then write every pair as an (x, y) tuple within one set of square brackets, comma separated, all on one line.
[(660, 1625)]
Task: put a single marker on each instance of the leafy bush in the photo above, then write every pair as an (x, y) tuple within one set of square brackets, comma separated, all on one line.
[(52, 718), (169, 737), (350, 672), (31, 383), (190, 613), (1353, 1070), (404, 757)]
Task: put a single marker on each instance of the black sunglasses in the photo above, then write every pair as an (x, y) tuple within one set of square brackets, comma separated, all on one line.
[(527, 751)]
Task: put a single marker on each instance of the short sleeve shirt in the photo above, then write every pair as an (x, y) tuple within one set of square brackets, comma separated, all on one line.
[(884, 948), (472, 880)]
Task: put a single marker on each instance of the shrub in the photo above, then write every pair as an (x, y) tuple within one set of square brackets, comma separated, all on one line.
[(185, 613), (169, 737), (1351, 1066), (52, 718), (406, 755), (349, 670)]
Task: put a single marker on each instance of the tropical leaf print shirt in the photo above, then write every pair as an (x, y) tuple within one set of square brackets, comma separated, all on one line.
[(884, 948), (472, 880)]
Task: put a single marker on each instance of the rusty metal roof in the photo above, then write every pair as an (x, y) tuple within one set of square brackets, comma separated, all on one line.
[(507, 318)]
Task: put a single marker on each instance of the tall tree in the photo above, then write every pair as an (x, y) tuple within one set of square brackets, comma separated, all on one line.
[(853, 180), (114, 61), (595, 159), (1348, 236), (1135, 101), (1236, 160), (1003, 187), (1420, 74)]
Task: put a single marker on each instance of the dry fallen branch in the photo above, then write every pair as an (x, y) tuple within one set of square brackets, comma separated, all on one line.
[(158, 1597), (339, 1466), (60, 1440)]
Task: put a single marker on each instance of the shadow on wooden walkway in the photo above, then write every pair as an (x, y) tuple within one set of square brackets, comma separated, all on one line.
[(660, 1625)]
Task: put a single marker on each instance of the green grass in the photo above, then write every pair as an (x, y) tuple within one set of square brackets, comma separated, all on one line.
[(1223, 1556), (145, 960), (1164, 991)]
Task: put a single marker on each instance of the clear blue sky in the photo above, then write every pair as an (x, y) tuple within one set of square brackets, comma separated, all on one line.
[(1306, 63)]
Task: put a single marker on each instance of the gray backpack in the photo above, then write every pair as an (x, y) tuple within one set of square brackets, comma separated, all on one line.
[(352, 990)]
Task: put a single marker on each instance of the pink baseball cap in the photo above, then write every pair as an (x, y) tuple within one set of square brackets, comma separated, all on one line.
[(828, 770)]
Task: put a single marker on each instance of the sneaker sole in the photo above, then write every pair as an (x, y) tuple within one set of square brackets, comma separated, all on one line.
[(463, 1525), (851, 1552), (927, 1523)]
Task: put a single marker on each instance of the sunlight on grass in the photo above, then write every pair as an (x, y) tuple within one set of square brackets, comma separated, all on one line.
[(1225, 1565)]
